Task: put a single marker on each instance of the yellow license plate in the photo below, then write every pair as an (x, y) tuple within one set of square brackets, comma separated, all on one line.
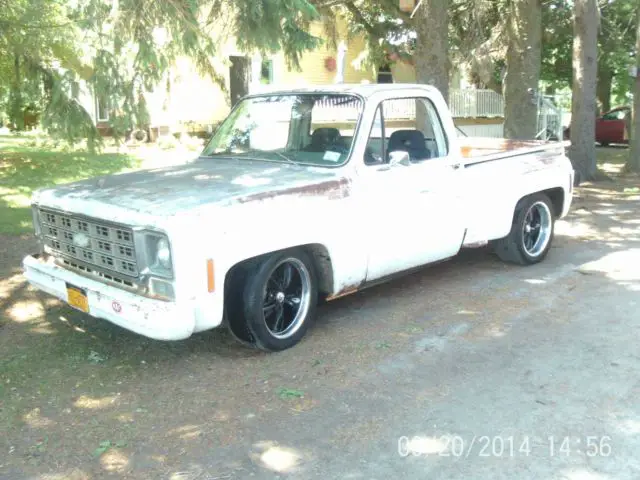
[(77, 298)]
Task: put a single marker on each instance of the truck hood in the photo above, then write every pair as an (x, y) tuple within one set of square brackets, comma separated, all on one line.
[(170, 190)]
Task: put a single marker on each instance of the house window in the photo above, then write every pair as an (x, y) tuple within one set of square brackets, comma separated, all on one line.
[(266, 72), (102, 108)]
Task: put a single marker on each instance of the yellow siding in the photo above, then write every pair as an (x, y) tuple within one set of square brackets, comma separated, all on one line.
[(196, 99), (357, 48), (403, 72), (313, 70)]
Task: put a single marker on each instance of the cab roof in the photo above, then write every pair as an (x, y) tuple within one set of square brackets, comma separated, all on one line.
[(365, 90)]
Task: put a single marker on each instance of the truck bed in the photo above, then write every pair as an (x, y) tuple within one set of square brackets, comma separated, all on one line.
[(481, 149)]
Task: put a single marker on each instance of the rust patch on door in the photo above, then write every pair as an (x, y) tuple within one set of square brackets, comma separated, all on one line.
[(348, 290)]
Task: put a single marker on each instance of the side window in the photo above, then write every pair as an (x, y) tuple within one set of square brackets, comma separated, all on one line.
[(411, 125), (374, 151)]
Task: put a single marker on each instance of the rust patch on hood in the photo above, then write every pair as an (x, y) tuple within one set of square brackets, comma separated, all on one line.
[(331, 189)]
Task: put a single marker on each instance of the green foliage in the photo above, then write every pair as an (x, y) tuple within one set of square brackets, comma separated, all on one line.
[(557, 44), (270, 26), (63, 116), (106, 445), (31, 32), (288, 393), (615, 43)]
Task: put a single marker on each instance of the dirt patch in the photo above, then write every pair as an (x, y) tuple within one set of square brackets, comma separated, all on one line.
[(12, 250)]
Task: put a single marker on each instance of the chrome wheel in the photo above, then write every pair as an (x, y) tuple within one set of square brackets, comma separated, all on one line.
[(537, 228), (286, 299)]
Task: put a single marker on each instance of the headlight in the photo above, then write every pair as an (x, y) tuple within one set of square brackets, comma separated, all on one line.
[(163, 254), (158, 254)]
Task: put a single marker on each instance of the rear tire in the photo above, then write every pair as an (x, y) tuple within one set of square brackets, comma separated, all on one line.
[(531, 232)]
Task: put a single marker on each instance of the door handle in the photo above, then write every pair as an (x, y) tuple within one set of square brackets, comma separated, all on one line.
[(456, 166)]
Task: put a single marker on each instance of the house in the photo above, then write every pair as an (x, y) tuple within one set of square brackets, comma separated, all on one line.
[(189, 102)]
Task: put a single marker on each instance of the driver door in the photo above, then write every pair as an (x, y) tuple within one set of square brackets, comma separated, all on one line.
[(413, 208)]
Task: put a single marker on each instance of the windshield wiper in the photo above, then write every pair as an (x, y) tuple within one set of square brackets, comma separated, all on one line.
[(288, 159), (281, 155), (253, 155)]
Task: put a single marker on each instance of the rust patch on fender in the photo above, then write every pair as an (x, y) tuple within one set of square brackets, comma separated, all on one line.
[(332, 190)]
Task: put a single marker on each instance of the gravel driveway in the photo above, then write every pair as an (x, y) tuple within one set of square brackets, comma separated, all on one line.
[(471, 369)]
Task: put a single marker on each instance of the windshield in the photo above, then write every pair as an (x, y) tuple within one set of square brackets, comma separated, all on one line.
[(307, 129)]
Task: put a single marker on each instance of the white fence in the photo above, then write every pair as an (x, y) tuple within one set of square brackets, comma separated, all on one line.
[(476, 103), (491, 130)]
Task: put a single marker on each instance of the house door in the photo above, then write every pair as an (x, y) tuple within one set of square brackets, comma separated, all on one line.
[(384, 74), (239, 77)]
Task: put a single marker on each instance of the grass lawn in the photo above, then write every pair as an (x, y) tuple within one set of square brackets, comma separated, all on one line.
[(25, 167)]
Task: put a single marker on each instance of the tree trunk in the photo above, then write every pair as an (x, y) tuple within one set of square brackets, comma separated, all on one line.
[(16, 107), (603, 89), (524, 57), (585, 74), (432, 45), (239, 75), (633, 161)]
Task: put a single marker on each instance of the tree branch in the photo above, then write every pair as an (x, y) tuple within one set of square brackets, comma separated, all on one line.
[(328, 3), (361, 19)]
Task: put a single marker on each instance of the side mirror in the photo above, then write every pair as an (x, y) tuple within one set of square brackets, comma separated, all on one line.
[(399, 157)]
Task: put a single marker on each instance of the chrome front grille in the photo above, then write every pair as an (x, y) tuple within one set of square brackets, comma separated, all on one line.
[(95, 243)]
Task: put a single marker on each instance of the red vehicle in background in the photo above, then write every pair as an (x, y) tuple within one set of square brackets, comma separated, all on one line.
[(611, 127)]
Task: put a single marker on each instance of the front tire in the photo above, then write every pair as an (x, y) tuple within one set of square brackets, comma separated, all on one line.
[(279, 300), (531, 232)]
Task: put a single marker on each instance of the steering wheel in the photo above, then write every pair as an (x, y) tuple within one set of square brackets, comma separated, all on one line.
[(338, 147)]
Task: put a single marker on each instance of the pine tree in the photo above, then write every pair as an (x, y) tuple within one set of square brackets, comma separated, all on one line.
[(114, 47)]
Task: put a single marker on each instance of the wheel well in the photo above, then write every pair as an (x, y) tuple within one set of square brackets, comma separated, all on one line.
[(319, 255), (556, 195), (324, 266)]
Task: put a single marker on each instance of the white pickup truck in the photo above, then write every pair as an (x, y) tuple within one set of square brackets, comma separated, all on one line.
[(300, 196)]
